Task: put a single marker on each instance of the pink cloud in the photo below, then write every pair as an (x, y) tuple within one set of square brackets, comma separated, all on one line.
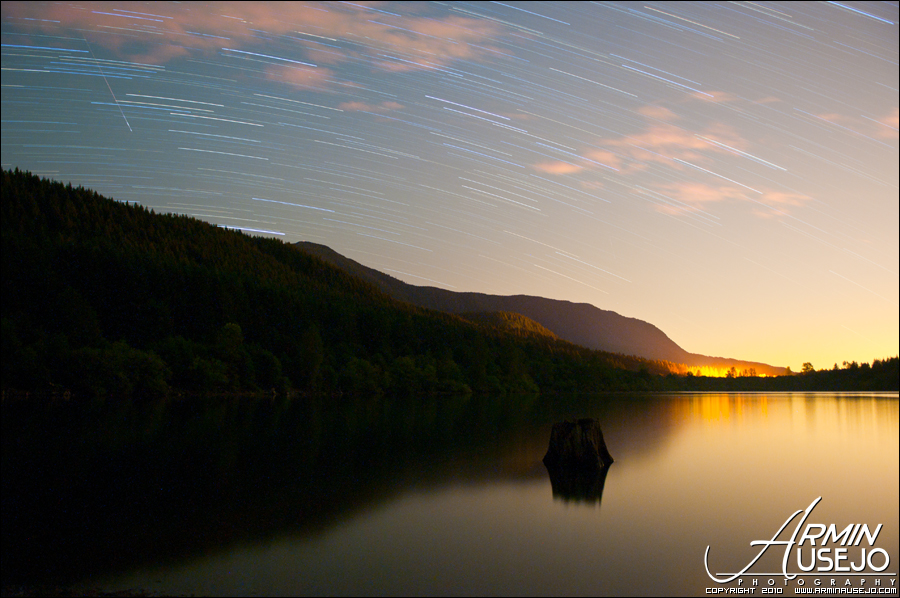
[(665, 143), (420, 43), (715, 97), (885, 127), (364, 107), (557, 167), (605, 157), (657, 112), (300, 76), (832, 117), (783, 200), (724, 97), (891, 124), (892, 119), (657, 142), (160, 32), (691, 195), (695, 193), (665, 138)]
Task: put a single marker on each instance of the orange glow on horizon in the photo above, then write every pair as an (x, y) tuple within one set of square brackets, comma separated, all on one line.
[(711, 371)]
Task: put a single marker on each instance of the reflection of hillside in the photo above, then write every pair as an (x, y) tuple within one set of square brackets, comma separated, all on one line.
[(630, 433), (578, 485), (92, 488), (633, 433), (109, 486)]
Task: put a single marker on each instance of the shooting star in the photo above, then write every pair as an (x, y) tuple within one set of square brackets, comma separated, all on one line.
[(107, 84)]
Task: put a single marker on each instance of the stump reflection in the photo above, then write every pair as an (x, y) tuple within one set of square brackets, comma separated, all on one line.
[(577, 485)]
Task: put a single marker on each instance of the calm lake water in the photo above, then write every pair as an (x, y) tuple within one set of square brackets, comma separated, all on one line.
[(481, 516)]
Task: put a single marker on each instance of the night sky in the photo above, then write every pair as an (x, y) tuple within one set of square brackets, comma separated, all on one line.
[(725, 171)]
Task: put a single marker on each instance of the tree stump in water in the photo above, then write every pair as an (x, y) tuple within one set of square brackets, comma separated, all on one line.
[(578, 445)]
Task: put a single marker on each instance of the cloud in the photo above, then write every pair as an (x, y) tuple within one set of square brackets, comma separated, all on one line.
[(715, 97), (364, 107), (885, 127), (605, 157), (665, 144), (657, 142), (784, 200), (890, 125), (724, 97), (658, 113), (692, 196), (300, 76), (661, 143), (688, 197), (892, 119), (519, 116), (316, 33), (557, 167), (778, 202), (421, 43), (832, 117), (679, 167)]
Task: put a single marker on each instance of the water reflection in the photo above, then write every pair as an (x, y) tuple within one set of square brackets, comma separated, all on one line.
[(578, 485), (301, 497), (109, 485)]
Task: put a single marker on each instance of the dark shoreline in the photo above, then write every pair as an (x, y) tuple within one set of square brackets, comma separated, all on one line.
[(24, 590)]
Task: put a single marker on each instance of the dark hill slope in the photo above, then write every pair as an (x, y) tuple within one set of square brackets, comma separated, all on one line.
[(579, 323), (103, 298), (510, 322)]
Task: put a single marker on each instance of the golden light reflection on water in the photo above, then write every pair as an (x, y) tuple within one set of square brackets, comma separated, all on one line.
[(834, 413), (720, 407), (692, 470), (767, 453)]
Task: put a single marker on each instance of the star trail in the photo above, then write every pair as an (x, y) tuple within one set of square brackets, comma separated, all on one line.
[(725, 171)]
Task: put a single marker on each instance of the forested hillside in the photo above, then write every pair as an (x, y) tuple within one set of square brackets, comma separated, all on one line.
[(579, 323), (100, 297)]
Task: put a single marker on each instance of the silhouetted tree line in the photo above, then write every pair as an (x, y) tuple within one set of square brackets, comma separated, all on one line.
[(105, 298), (881, 374)]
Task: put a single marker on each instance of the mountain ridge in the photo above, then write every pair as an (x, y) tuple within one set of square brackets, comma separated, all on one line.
[(579, 323)]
